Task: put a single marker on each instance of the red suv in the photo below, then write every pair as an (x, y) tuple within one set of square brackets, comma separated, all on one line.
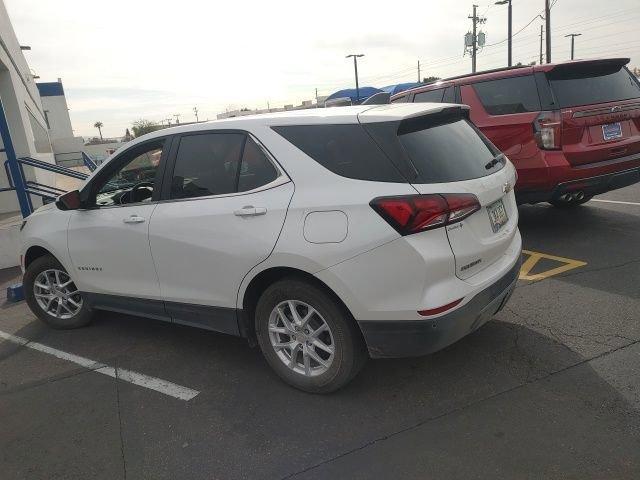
[(571, 129)]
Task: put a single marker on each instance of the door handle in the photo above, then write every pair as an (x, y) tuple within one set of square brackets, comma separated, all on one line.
[(250, 211), (133, 219)]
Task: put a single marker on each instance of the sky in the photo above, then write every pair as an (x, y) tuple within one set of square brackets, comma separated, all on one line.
[(121, 61)]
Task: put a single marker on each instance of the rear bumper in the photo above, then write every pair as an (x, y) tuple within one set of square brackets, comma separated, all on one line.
[(590, 186), (400, 338)]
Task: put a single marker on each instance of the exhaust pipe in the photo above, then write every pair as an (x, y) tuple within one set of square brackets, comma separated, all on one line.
[(566, 197), (578, 196)]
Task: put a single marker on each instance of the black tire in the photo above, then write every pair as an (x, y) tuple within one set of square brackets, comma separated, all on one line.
[(571, 203), (350, 353), (81, 318)]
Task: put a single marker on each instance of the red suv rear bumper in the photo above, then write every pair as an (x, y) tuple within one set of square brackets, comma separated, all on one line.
[(558, 177)]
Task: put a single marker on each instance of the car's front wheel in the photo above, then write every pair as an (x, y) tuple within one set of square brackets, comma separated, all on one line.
[(53, 296), (307, 337)]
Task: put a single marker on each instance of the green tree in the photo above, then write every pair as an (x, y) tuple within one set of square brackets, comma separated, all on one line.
[(430, 79), (142, 126), (99, 126)]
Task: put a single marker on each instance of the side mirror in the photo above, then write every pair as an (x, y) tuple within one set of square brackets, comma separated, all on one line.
[(69, 201)]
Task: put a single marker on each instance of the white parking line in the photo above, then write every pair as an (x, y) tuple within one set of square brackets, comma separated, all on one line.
[(152, 383), (614, 201)]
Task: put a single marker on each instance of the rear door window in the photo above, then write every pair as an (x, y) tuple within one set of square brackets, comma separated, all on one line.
[(509, 95), (347, 150), (255, 169), (429, 96), (586, 86)]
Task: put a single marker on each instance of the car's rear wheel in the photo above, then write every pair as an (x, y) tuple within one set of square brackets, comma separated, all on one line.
[(53, 296), (570, 202), (307, 337)]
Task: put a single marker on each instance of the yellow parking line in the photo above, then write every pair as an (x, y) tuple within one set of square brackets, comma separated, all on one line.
[(535, 257)]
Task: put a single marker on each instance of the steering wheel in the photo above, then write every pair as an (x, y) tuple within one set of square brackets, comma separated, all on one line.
[(136, 195)]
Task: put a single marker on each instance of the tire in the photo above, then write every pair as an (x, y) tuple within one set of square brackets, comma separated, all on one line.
[(70, 315), (342, 337), (571, 203)]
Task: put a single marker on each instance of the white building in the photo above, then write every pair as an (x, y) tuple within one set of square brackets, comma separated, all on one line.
[(28, 128)]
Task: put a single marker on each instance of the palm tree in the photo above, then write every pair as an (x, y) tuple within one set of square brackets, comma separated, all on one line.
[(98, 125)]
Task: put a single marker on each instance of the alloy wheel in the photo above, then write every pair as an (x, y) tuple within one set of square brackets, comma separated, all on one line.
[(56, 293)]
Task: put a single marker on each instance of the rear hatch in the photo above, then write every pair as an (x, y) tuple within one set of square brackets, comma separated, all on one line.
[(599, 105), (448, 156)]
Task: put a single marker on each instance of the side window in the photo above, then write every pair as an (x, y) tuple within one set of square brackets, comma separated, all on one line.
[(509, 95), (430, 96), (255, 169), (346, 150), (402, 99), (206, 164), (449, 95), (133, 181)]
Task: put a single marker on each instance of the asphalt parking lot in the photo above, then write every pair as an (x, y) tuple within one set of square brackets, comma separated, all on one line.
[(549, 389)]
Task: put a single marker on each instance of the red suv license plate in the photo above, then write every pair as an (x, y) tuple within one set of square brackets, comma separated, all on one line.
[(611, 131)]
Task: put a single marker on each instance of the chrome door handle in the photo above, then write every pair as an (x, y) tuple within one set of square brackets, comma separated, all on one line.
[(133, 219), (250, 211)]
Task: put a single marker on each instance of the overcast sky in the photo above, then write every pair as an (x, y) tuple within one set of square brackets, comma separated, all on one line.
[(125, 60)]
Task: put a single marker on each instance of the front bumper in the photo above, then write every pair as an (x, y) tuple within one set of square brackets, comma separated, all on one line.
[(412, 338)]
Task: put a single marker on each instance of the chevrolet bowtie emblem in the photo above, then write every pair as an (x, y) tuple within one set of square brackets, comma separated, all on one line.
[(506, 188)]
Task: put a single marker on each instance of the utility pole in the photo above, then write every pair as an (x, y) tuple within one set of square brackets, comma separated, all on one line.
[(573, 37), (195, 111), (541, 44), (355, 67), (475, 40), (509, 35), (547, 20), (316, 98), (419, 72), (177, 117)]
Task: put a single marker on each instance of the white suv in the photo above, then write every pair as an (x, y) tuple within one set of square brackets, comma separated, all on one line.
[(325, 235)]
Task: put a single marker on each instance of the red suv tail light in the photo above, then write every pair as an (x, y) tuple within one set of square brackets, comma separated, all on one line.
[(415, 213), (548, 130)]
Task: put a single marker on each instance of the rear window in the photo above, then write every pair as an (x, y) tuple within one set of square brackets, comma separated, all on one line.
[(450, 152), (509, 95), (579, 87), (347, 150)]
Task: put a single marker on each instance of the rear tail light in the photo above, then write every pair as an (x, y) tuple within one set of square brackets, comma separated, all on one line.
[(548, 130), (417, 213), (443, 308)]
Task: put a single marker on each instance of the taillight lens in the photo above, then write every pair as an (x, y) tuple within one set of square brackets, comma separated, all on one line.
[(417, 213), (548, 130)]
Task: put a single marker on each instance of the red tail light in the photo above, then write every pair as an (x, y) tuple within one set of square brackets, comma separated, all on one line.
[(416, 213), (548, 130)]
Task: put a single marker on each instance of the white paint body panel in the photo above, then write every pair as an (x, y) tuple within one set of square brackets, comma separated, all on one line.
[(203, 251), (101, 239), (326, 227)]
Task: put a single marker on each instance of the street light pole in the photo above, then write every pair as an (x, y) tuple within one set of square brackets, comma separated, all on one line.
[(547, 20), (573, 37), (355, 67), (509, 35)]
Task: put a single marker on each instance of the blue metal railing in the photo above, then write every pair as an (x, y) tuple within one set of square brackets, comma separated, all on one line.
[(81, 155)]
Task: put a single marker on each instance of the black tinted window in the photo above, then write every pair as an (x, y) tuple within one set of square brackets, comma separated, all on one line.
[(430, 96), (449, 95), (401, 99), (509, 95), (346, 150), (206, 164), (576, 87), (449, 152), (255, 170)]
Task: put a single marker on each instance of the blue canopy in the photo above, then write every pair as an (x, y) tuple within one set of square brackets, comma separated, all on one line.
[(365, 92), (401, 87)]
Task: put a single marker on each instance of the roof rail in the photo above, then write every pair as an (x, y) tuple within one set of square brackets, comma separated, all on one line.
[(494, 70)]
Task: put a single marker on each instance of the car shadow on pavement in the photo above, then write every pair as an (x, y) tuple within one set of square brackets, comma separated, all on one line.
[(504, 396)]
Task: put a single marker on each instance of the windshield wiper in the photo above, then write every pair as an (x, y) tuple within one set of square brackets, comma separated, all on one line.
[(492, 163)]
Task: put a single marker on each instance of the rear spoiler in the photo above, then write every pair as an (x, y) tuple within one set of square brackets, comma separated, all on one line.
[(581, 68), (432, 119)]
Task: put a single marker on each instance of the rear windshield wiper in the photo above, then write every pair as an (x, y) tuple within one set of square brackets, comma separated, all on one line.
[(492, 163)]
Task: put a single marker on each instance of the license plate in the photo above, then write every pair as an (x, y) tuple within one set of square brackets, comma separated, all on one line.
[(497, 215), (611, 131)]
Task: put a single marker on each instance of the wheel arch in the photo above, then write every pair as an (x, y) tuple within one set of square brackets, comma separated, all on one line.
[(34, 252), (261, 281)]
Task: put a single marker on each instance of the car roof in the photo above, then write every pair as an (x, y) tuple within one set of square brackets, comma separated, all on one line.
[(506, 72)]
